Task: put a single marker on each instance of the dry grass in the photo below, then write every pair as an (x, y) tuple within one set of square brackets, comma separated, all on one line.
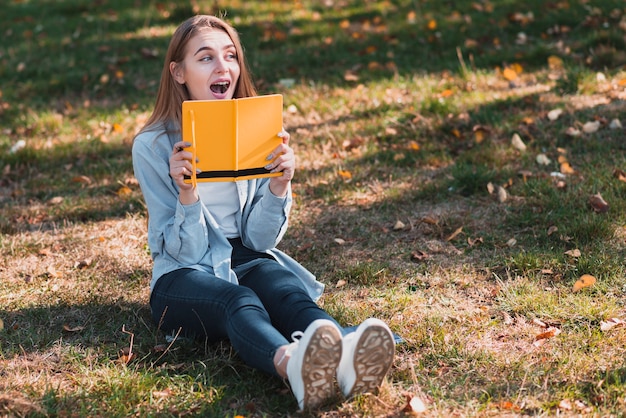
[(392, 212)]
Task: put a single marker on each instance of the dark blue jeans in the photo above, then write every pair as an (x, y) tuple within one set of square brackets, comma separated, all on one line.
[(257, 316)]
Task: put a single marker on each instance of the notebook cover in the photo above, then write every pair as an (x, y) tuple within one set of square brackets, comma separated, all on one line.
[(231, 139)]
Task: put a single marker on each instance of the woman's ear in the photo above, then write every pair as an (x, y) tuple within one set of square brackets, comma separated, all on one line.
[(177, 72)]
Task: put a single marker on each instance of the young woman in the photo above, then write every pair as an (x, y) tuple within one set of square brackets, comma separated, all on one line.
[(217, 273)]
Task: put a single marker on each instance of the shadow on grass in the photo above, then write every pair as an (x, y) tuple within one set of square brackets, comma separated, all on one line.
[(65, 338)]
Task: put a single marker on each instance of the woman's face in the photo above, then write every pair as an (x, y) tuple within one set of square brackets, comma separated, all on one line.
[(210, 69)]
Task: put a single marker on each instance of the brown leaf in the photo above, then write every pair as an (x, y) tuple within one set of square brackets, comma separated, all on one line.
[(574, 253), (455, 233), (508, 405), (162, 393), (126, 355), (566, 168), (399, 225), (585, 280), (480, 133), (345, 174), (81, 179), (430, 220), (471, 242), (598, 204), (124, 191), (67, 328), (549, 333), (509, 74), (419, 255), (57, 200), (611, 323), (619, 174)]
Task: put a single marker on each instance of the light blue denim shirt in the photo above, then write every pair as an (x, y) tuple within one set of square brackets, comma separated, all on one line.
[(188, 236)]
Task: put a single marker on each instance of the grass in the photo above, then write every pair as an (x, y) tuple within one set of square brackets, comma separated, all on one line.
[(401, 113)]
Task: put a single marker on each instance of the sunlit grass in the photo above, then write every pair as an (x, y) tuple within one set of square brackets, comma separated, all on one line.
[(402, 117)]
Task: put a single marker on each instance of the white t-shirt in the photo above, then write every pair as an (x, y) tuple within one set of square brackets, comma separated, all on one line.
[(222, 201)]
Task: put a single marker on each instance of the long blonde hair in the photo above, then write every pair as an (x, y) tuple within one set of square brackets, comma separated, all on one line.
[(171, 94)]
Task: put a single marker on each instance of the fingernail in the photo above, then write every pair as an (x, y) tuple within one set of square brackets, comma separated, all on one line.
[(267, 167), (281, 134), (269, 157)]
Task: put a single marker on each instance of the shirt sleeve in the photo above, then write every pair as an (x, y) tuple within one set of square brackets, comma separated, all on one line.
[(175, 230)]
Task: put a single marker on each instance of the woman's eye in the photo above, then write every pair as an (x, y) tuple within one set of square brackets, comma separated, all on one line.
[(207, 58)]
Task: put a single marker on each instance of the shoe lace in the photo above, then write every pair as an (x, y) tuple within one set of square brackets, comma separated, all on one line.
[(295, 338)]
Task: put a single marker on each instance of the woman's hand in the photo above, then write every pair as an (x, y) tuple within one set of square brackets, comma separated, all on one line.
[(284, 159), (180, 166)]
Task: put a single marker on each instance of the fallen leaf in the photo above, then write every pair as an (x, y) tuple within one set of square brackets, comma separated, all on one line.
[(542, 159), (162, 393), (455, 233), (615, 124), (345, 174), (517, 142), (414, 405), (555, 63), (124, 191), (471, 242), (502, 194), (480, 133), (67, 328), (430, 220), (339, 241), (414, 146), (549, 333), (571, 131), (565, 405), (585, 280), (399, 225), (82, 264), (1, 324), (611, 323), (619, 174), (591, 127), (52, 272), (512, 242), (491, 188), (419, 255), (411, 17), (341, 283), (81, 179), (126, 355), (554, 114), (573, 253), (598, 204), (57, 200), (508, 405), (552, 229), (509, 74), (566, 168)]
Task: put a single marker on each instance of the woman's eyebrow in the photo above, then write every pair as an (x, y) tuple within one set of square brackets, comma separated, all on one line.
[(208, 48)]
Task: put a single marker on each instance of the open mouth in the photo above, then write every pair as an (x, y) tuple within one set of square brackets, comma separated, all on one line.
[(220, 87)]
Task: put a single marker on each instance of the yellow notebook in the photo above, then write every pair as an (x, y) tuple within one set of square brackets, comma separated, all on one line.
[(231, 139)]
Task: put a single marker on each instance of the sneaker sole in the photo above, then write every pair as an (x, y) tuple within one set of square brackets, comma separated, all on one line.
[(319, 365), (373, 357)]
